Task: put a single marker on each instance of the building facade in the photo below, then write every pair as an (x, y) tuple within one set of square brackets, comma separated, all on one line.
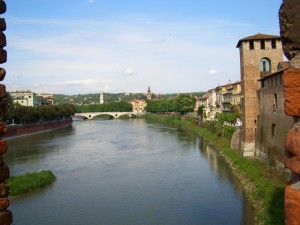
[(138, 106), (26, 98), (46, 99), (220, 100), (260, 55)]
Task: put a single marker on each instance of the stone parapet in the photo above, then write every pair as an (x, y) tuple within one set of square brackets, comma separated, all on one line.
[(5, 215), (289, 30), (291, 85), (292, 149), (291, 206)]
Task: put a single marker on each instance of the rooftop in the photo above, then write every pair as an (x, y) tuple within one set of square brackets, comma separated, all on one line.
[(257, 36)]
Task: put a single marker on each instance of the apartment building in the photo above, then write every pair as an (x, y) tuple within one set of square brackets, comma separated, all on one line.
[(26, 98), (29, 98), (220, 100)]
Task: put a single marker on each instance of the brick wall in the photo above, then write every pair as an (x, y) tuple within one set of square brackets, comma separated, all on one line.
[(273, 124)]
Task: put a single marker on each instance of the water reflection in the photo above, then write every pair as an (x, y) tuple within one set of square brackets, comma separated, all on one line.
[(126, 172), (220, 166), (28, 151)]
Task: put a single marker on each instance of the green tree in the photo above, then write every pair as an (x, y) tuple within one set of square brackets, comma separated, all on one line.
[(185, 104), (235, 111), (121, 106), (24, 114)]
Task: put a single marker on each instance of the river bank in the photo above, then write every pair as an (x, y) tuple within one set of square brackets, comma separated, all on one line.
[(27, 129), (264, 186)]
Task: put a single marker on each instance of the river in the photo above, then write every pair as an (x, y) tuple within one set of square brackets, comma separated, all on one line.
[(125, 172)]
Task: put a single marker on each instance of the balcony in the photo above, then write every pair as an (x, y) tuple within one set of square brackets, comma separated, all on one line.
[(227, 100)]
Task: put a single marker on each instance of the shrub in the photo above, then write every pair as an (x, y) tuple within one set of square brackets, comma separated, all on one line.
[(30, 182)]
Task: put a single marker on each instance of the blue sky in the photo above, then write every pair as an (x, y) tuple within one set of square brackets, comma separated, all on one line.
[(88, 46)]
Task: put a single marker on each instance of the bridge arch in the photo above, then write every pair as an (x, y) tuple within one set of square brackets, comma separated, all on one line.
[(115, 115)]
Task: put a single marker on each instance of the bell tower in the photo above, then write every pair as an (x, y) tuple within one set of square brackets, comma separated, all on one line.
[(259, 56), (149, 94), (101, 97)]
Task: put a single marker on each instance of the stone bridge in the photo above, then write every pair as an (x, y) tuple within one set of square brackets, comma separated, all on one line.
[(91, 115)]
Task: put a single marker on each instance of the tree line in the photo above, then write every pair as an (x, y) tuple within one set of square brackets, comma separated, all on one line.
[(121, 106), (27, 114), (182, 104)]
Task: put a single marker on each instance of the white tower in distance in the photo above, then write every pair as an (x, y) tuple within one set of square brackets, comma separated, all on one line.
[(101, 97)]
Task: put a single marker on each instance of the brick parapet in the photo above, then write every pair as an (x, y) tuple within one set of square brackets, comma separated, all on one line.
[(289, 23)]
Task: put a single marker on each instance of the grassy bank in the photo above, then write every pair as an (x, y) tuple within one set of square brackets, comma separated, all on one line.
[(264, 186), (30, 182)]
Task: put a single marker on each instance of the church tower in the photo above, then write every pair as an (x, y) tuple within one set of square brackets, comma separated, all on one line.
[(149, 94), (101, 101), (259, 56)]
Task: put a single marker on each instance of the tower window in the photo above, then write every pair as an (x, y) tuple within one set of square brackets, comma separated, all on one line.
[(265, 65), (262, 44), (275, 102), (251, 45), (273, 43), (273, 130)]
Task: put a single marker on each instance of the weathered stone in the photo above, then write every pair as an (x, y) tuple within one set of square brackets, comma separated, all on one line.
[(3, 147), (2, 24), (291, 84), (292, 206), (3, 103), (235, 140), (4, 172), (2, 91), (289, 30), (2, 73), (2, 7), (292, 149), (4, 203), (3, 129), (6, 217), (4, 189)]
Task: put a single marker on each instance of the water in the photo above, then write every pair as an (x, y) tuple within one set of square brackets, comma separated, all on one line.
[(119, 172)]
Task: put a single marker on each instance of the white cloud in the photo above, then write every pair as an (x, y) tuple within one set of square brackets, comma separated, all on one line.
[(128, 72), (213, 72)]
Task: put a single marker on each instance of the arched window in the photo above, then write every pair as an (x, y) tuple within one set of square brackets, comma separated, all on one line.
[(275, 102), (265, 65)]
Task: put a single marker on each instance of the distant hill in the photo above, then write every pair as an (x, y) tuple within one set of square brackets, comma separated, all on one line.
[(82, 99)]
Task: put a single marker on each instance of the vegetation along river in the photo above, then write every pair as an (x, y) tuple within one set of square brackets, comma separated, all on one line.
[(119, 172)]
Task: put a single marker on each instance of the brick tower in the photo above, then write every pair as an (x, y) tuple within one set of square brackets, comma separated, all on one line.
[(259, 56)]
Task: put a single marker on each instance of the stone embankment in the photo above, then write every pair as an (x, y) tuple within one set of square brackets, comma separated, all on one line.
[(20, 130)]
